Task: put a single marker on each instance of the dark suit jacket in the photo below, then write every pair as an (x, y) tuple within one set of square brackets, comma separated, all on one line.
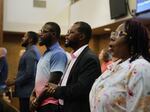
[(25, 80), (81, 78)]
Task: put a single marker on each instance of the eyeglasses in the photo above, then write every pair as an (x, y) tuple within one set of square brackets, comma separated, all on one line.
[(43, 31), (117, 34)]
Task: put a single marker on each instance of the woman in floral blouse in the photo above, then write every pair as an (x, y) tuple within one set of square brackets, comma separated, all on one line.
[(125, 86)]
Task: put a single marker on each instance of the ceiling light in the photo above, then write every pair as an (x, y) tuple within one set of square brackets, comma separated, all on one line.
[(107, 29)]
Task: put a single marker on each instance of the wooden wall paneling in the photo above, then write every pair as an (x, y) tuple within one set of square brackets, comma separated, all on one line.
[(104, 41), (93, 44), (12, 42), (99, 42)]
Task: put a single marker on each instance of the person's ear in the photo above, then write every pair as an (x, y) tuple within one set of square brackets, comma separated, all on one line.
[(82, 36), (30, 40)]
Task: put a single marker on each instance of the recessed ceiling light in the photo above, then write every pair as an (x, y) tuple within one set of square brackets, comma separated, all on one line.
[(107, 29)]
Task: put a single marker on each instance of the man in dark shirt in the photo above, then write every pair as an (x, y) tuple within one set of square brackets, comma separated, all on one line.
[(24, 82)]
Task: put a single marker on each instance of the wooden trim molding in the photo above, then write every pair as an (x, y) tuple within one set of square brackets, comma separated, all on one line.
[(12, 36), (13, 33), (1, 22)]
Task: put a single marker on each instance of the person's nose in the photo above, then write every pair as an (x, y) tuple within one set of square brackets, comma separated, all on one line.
[(110, 45), (66, 36), (40, 35)]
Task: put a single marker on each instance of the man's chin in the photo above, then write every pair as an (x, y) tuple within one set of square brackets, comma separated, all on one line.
[(23, 45), (67, 45), (41, 43)]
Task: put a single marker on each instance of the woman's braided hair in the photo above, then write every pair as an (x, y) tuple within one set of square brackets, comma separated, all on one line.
[(137, 39)]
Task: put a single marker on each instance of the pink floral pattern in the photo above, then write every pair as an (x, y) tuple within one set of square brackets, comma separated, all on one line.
[(124, 87)]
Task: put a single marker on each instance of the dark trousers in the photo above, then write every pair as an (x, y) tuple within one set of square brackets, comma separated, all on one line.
[(48, 108), (1, 107), (24, 104)]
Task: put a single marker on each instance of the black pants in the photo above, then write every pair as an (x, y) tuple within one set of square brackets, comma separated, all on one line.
[(48, 108), (24, 104), (1, 107)]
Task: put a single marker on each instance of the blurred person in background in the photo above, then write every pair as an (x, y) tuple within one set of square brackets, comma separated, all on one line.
[(105, 59), (3, 68)]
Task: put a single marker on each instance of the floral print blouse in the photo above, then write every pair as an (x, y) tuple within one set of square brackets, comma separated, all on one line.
[(124, 87)]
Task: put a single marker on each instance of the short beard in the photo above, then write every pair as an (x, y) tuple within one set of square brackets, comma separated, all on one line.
[(67, 45), (41, 44), (24, 44), (71, 44), (45, 42)]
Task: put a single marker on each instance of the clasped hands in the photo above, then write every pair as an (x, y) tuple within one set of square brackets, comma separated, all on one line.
[(48, 91), (50, 88)]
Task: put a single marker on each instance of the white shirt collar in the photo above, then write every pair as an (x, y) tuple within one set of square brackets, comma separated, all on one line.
[(78, 52)]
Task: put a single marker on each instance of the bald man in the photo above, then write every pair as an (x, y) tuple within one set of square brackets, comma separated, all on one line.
[(3, 67)]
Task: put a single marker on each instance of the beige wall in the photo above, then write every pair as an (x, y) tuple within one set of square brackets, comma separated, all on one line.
[(21, 16), (95, 12)]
